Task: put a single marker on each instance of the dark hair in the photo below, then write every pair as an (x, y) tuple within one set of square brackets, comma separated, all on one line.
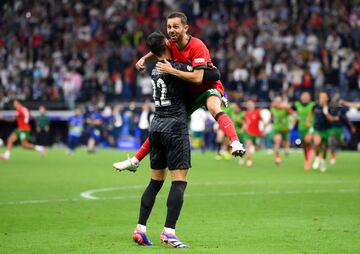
[(178, 14), (325, 92), (156, 43), (18, 100), (306, 91)]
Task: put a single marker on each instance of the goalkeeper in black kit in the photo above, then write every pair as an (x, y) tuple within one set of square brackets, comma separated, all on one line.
[(170, 145)]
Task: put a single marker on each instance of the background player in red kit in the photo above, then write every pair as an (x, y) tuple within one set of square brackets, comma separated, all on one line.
[(22, 133), (189, 50), (252, 119)]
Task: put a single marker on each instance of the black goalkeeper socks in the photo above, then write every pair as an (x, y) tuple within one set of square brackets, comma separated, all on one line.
[(175, 202), (148, 200)]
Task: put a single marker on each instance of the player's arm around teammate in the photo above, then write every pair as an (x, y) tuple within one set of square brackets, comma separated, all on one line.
[(186, 49), (173, 28), (349, 104), (195, 77), (169, 149)]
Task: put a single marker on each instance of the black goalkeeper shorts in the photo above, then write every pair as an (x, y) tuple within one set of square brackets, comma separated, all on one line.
[(169, 150)]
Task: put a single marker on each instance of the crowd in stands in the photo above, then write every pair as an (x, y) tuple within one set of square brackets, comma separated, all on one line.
[(69, 51)]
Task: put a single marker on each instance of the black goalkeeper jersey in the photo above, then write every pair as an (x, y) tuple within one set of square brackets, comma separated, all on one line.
[(168, 94), (339, 112), (320, 120)]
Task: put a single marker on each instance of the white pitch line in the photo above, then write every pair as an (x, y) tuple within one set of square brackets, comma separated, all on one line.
[(89, 193), (217, 194), (244, 193), (40, 201)]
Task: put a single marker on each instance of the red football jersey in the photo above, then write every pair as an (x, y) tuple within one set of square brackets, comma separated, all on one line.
[(23, 119), (252, 120), (197, 55)]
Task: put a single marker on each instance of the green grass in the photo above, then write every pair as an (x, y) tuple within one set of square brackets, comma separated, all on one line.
[(227, 209)]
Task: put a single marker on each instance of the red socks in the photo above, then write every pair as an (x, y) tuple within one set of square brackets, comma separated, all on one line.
[(307, 149), (277, 154), (227, 126), (143, 151)]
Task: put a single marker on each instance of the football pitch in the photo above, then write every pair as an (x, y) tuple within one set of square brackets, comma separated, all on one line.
[(79, 204)]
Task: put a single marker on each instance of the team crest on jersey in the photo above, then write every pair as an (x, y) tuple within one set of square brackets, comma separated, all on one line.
[(199, 60)]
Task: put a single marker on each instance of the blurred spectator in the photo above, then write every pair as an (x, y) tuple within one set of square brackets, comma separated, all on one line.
[(112, 122), (117, 121), (144, 121), (129, 122), (107, 127), (68, 51), (71, 87), (144, 82)]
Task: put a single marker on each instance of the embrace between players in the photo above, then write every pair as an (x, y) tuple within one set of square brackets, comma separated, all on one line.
[(180, 86)]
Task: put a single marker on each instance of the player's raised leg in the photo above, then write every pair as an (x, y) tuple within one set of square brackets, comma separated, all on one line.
[(133, 163), (213, 103), (25, 144)]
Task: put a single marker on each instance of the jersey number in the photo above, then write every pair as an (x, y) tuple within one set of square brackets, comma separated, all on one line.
[(162, 88)]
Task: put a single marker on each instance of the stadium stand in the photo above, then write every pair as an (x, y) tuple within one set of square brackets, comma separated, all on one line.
[(62, 53)]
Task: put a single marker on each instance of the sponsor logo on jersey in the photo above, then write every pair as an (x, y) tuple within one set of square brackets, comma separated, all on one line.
[(199, 60)]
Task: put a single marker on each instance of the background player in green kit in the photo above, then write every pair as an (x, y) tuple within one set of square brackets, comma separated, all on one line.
[(238, 118), (336, 131), (322, 126), (281, 112), (305, 123)]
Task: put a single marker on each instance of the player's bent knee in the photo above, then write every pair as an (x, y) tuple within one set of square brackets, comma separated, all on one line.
[(277, 138), (179, 175), (158, 174), (24, 143)]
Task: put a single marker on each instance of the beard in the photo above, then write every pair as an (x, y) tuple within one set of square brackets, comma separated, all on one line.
[(176, 37)]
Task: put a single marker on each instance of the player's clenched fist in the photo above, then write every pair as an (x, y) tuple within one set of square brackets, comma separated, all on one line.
[(140, 65)]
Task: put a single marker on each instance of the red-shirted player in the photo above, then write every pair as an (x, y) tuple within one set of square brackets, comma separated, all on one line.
[(189, 50), (252, 119), (22, 133)]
